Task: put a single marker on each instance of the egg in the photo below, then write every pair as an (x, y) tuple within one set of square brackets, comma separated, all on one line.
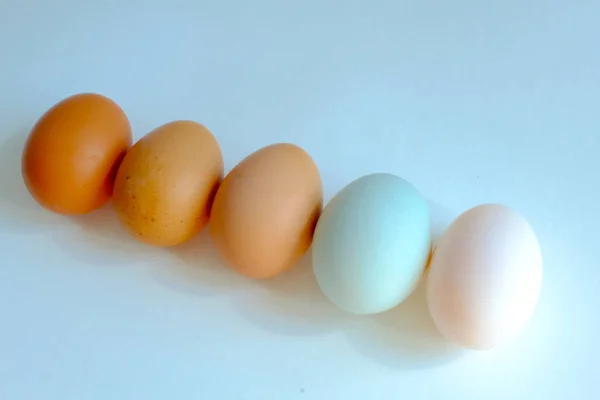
[(166, 183), (73, 152), (372, 243), (265, 211), (485, 277)]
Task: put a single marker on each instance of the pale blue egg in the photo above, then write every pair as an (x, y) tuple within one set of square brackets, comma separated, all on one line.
[(372, 243)]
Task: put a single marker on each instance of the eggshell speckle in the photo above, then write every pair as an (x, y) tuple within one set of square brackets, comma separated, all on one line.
[(266, 209), (371, 244), (485, 277), (166, 183)]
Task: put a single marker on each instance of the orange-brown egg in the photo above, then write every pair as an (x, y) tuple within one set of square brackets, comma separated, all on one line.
[(264, 214), (72, 153), (166, 183)]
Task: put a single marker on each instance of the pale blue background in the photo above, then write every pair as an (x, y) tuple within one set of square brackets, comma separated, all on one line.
[(471, 101)]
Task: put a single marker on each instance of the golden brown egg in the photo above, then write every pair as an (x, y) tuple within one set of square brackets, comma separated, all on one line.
[(72, 153), (266, 209), (166, 183)]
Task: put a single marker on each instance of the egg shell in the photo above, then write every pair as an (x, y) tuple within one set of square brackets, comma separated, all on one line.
[(485, 277), (265, 211), (166, 183), (372, 243), (73, 152)]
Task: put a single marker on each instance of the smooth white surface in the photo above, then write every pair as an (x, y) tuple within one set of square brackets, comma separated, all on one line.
[(471, 101)]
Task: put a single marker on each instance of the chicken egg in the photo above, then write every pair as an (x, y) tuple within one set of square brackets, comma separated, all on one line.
[(265, 211), (166, 183), (372, 244), (73, 152), (485, 277)]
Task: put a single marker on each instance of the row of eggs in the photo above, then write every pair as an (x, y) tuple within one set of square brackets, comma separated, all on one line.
[(371, 244)]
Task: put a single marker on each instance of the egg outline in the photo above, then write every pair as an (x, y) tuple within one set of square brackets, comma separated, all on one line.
[(142, 179), (73, 200), (229, 245), (398, 291), (470, 338)]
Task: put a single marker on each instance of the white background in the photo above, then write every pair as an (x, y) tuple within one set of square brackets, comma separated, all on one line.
[(471, 101)]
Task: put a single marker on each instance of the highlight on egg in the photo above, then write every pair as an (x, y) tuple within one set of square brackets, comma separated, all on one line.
[(485, 277), (265, 211), (372, 243), (166, 183), (73, 152)]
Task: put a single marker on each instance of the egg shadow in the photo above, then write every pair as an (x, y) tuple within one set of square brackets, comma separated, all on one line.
[(104, 242), (404, 337), (19, 212), (195, 269), (290, 304)]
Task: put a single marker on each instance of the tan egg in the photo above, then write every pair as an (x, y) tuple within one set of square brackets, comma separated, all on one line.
[(264, 214), (166, 183), (73, 152)]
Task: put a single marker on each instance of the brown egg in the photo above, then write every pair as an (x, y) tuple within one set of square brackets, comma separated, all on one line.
[(266, 210), (166, 183), (72, 153)]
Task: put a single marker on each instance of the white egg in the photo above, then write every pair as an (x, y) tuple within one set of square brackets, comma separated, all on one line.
[(485, 277)]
